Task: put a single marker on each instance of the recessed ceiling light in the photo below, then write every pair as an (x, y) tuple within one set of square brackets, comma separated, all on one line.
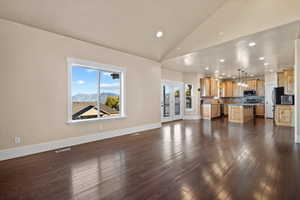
[(217, 71), (266, 64), (188, 60), (206, 68), (252, 44), (261, 58), (222, 60), (159, 34)]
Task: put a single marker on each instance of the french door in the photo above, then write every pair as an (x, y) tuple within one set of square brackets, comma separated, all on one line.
[(269, 109), (171, 101)]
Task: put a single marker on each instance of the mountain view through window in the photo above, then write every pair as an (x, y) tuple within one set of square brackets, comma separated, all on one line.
[(95, 93)]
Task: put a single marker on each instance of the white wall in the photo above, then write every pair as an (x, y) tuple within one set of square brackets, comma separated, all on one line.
[(33, 85), (297, 91), (194, 79), (171, 75)]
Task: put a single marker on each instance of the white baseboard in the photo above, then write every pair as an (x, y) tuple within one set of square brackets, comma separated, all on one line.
[(42, 147), (191, 117)]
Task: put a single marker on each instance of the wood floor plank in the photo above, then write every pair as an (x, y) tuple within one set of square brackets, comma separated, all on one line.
[(191, 160)]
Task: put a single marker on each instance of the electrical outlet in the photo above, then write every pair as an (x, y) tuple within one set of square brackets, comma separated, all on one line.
[(17, 140)]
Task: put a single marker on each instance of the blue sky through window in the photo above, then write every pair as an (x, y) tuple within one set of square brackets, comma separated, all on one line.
[(84, 81)]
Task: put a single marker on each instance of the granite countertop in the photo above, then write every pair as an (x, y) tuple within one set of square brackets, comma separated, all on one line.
[(245, 104)]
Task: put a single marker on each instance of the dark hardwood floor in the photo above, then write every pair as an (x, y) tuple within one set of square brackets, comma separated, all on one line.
[(182, 160)]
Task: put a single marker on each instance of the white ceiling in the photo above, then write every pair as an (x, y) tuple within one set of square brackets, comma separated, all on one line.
[(276, 45), (128, 26)]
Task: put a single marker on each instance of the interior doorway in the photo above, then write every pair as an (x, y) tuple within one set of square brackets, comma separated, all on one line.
[(171, 100)]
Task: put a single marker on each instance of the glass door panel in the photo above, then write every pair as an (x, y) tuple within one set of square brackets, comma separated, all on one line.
[(171, 103), (167, 101), (177, 101)]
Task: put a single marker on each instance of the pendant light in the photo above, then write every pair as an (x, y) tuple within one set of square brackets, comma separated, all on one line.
[(239, 79)]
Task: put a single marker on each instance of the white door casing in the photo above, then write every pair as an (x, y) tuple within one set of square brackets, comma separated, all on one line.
[(172, 96), (269, 87)]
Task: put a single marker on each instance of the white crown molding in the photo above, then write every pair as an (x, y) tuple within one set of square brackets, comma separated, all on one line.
[(42, 147), (191, 117)]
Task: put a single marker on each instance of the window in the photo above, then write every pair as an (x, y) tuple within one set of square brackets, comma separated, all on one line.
[(96, 91), (188, 96)]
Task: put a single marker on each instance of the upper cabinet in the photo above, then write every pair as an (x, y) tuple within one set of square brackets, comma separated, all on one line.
[(226, 89), (211, 87), (205, 87), (289, 81), (252, 85), (260, 89), (214, 87), (229, 92), (237, 91), (286, 80), (280, 76)]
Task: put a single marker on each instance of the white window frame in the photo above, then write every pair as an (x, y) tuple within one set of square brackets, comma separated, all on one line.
[(192, 96), (97, 66)]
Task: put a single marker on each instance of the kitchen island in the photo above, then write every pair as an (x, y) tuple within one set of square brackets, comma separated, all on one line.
[(240, 113), (210, 111)]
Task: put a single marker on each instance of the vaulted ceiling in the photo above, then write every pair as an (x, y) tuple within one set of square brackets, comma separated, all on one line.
[(131, 26)]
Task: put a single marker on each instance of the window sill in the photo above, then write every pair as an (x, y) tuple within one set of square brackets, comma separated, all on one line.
[(95, 120)]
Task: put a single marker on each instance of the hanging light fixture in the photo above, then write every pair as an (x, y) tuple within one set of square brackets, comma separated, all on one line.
[(239, 79), (246, 75), (243, 84), (242, 79)]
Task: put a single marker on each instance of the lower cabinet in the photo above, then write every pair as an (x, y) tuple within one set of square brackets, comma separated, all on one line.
[(240, 114), (284, 115), (210, 111), (260, 110), (225, 109)]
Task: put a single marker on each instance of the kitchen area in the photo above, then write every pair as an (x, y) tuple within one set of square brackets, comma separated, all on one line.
[(245, 97)]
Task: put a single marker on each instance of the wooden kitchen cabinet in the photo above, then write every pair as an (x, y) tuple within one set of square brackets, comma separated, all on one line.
[(260, 91), (222, 89), (252, 84), (229, 92), (260, 110), (225, 109), (209, 87), (214, 87), (284, 115), (210, 111), (205, 84), (226, 89), (280, 79), (240, 113), (288, 81), (237, 91)]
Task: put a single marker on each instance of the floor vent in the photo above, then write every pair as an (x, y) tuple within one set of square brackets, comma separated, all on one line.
[(63, 150)]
